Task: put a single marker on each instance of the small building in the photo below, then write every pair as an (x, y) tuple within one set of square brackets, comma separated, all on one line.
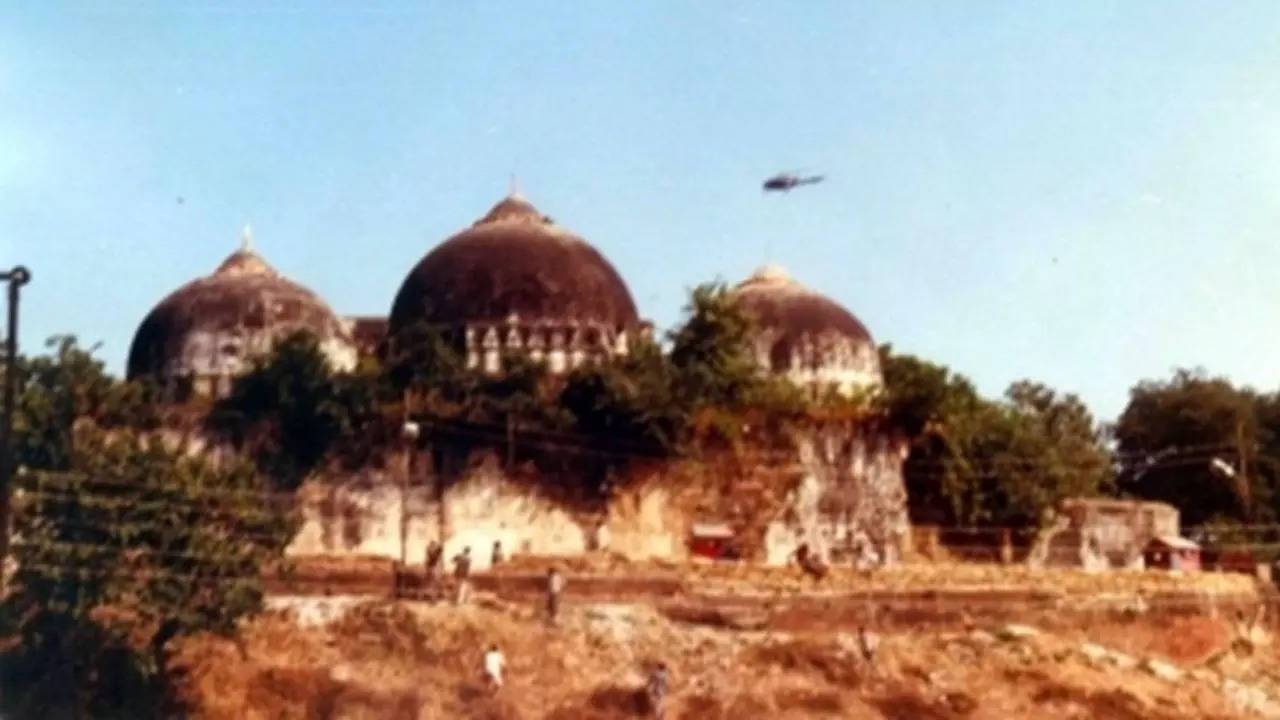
[(713, 540), (1108, 534), (1170, 552)]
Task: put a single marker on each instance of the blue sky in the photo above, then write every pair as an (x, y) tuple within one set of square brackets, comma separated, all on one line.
[(1085, 195)]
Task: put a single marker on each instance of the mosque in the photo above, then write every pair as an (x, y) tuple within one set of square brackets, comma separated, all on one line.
[(517, 282), (512, 282)]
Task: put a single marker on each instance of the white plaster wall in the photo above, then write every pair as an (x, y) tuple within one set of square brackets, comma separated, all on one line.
[(366, 517), (203, 357), (857, 471), (823, 361), (354, 518), (368, 514), (799, 523), (485, 507), (644, 523)]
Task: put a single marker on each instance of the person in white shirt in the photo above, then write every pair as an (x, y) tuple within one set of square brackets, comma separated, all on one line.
[(493, 664), (555, 586)]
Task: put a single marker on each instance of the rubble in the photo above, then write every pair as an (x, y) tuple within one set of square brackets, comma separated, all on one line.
[(1095, 654), (419, 659), (1121, 660), (1163, 670), (937, 641), (1205, 676), (1014, 631), (981, 638), (1250, 699)]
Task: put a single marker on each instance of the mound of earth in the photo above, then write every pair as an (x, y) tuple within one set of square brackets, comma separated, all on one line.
[(355, 658)]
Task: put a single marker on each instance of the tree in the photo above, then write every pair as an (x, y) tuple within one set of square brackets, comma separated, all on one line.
[(1169, 434), (975, 461), (711, 353), (919, 394), (420, 361), (937, 411), (66, 385), (137, 543), (291, 410), (628, 402)]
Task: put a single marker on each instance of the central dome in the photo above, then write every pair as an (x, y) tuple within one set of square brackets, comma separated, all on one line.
[(513, 263)]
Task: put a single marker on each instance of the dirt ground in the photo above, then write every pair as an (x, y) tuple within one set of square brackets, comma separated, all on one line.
[(604, 575), (771, 652)]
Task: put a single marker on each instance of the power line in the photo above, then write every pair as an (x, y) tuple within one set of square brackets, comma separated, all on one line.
[(135, 553)]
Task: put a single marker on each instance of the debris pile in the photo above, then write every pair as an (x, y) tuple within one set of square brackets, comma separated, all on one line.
[(356, 659)]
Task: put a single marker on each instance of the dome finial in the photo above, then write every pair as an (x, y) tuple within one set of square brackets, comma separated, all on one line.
[(771, 272), (246, 238), (515, 186)]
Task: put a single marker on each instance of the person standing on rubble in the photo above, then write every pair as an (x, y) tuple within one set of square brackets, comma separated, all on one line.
[(600, 538), (497, 557), (462, 575), (431, 563), (868, 645), (555, 586), (656, 690), (493, 664), (810, 562)]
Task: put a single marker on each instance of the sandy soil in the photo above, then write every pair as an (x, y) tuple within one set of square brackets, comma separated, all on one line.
[(351, 657)]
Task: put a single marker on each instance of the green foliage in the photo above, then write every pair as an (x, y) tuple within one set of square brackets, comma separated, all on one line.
[(1170, 432), (630, 402), (974, 461), (62, 387), (291, 411), (707, 385), (427, 370), (522, 394), (919, 394), (69, 666), (135, 544), (422, 362), (711, 352)]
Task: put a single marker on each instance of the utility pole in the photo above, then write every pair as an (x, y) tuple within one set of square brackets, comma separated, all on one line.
[(1242, 483), (17, 277), (409, 434)]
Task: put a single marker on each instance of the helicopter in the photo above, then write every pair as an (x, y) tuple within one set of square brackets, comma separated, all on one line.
[(786, 181)]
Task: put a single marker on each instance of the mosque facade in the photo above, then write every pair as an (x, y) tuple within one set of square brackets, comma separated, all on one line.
[(512, 282), (515, 282)]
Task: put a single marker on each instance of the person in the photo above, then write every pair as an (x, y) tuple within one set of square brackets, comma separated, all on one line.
[(868, 643), (600, 540), (801, 554), (555, 585), (462, 574), (497, 557), (810, 562), (656, 690), (493, 664), (432, 561)]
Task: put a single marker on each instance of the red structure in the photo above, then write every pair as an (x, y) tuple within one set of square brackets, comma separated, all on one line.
[(1169, 552), (712, 540)]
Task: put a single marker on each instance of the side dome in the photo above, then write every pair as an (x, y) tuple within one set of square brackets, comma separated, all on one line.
[(805, 335), (210, 330), (514, 261)]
